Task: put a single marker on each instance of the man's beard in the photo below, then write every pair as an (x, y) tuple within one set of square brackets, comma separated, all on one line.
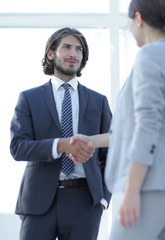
[(63, 71)]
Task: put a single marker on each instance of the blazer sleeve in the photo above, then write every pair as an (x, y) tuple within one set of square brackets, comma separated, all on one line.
[(148, 88), (24, 146), (105, 126)]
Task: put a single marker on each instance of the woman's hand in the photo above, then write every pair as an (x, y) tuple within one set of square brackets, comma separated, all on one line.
[(88, 148), (81, 137), (129, 212), (94, 141), (81, 150)]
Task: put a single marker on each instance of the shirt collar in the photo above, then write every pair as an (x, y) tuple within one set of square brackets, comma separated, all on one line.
[(57, 82)]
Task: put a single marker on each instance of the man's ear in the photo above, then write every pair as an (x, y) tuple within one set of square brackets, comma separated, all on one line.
[(50, 54), (139, 19)]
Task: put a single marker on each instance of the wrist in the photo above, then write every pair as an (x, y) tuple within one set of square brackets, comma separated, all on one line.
[(62, 145), (132, 187), (136, 177)]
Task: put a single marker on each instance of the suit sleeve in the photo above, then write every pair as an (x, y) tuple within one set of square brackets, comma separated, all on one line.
[(105, 126), (24, 146)]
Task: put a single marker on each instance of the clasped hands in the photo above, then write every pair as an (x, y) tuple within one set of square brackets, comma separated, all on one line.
[(83, 148), (79, 148)]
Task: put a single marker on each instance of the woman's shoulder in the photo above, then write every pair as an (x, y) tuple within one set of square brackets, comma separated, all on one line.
[(150, 49), (151, 53)]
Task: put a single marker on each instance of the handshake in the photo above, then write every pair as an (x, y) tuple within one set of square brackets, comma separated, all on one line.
[(80, 147)]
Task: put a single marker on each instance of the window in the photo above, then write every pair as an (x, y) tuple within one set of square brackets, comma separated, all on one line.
[(128, 51), (25, 27), (51, 6), (22, 51), (124, 5)]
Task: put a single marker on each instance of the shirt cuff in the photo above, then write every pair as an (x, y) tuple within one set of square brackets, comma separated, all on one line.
[(54, 149), (104, 203)]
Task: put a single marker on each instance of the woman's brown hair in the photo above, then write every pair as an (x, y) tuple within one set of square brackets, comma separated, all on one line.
[(152, 12)]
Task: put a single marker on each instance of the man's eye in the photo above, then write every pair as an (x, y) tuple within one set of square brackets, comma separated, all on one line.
[(79, 49)]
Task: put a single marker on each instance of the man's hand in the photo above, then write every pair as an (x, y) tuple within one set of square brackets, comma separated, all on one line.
[(81, 150), (83, 139)]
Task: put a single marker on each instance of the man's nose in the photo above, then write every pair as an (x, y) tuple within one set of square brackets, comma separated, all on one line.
[(73, 53)]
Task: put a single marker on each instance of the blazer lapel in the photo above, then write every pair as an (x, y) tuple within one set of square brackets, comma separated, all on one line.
[(49, 98), (83, 97)]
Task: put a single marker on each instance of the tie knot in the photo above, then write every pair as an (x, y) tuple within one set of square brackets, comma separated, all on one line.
[(66, 86)]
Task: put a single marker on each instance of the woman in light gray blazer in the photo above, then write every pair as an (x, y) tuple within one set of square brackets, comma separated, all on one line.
[(135, 169)]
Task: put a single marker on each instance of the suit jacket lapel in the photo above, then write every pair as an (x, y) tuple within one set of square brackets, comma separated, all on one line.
[(83, 97), (49, 98)]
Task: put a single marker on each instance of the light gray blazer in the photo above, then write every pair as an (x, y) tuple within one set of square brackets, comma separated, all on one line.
[(138, 127)]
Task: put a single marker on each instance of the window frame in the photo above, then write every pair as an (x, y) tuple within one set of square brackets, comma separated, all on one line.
[(79, 20)]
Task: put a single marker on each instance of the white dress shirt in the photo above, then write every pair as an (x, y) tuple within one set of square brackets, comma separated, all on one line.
[(58, 92)]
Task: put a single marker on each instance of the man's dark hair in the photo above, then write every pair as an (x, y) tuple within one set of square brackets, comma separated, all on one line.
[(152, 11), (53, 43)]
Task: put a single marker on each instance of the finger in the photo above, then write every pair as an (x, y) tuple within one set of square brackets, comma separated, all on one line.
[(137, 217), (90, 144), (84, 152), (72, 140), (79, 161), (74, 159), (81, 158), (81, 152), (84, 156), (88, 148), (123, 217), (127, 220)]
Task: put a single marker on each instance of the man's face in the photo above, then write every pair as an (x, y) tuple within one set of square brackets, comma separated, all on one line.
[(68, 56)]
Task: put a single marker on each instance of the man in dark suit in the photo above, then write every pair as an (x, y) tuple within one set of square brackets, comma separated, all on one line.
[(51, 202)]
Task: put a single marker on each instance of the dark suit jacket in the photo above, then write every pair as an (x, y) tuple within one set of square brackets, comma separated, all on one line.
[(33, 128)]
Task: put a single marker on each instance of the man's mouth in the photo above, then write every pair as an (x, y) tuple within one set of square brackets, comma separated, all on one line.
[(71, 61)]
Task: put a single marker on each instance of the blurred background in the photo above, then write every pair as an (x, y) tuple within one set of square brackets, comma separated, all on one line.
[(25, 27)]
